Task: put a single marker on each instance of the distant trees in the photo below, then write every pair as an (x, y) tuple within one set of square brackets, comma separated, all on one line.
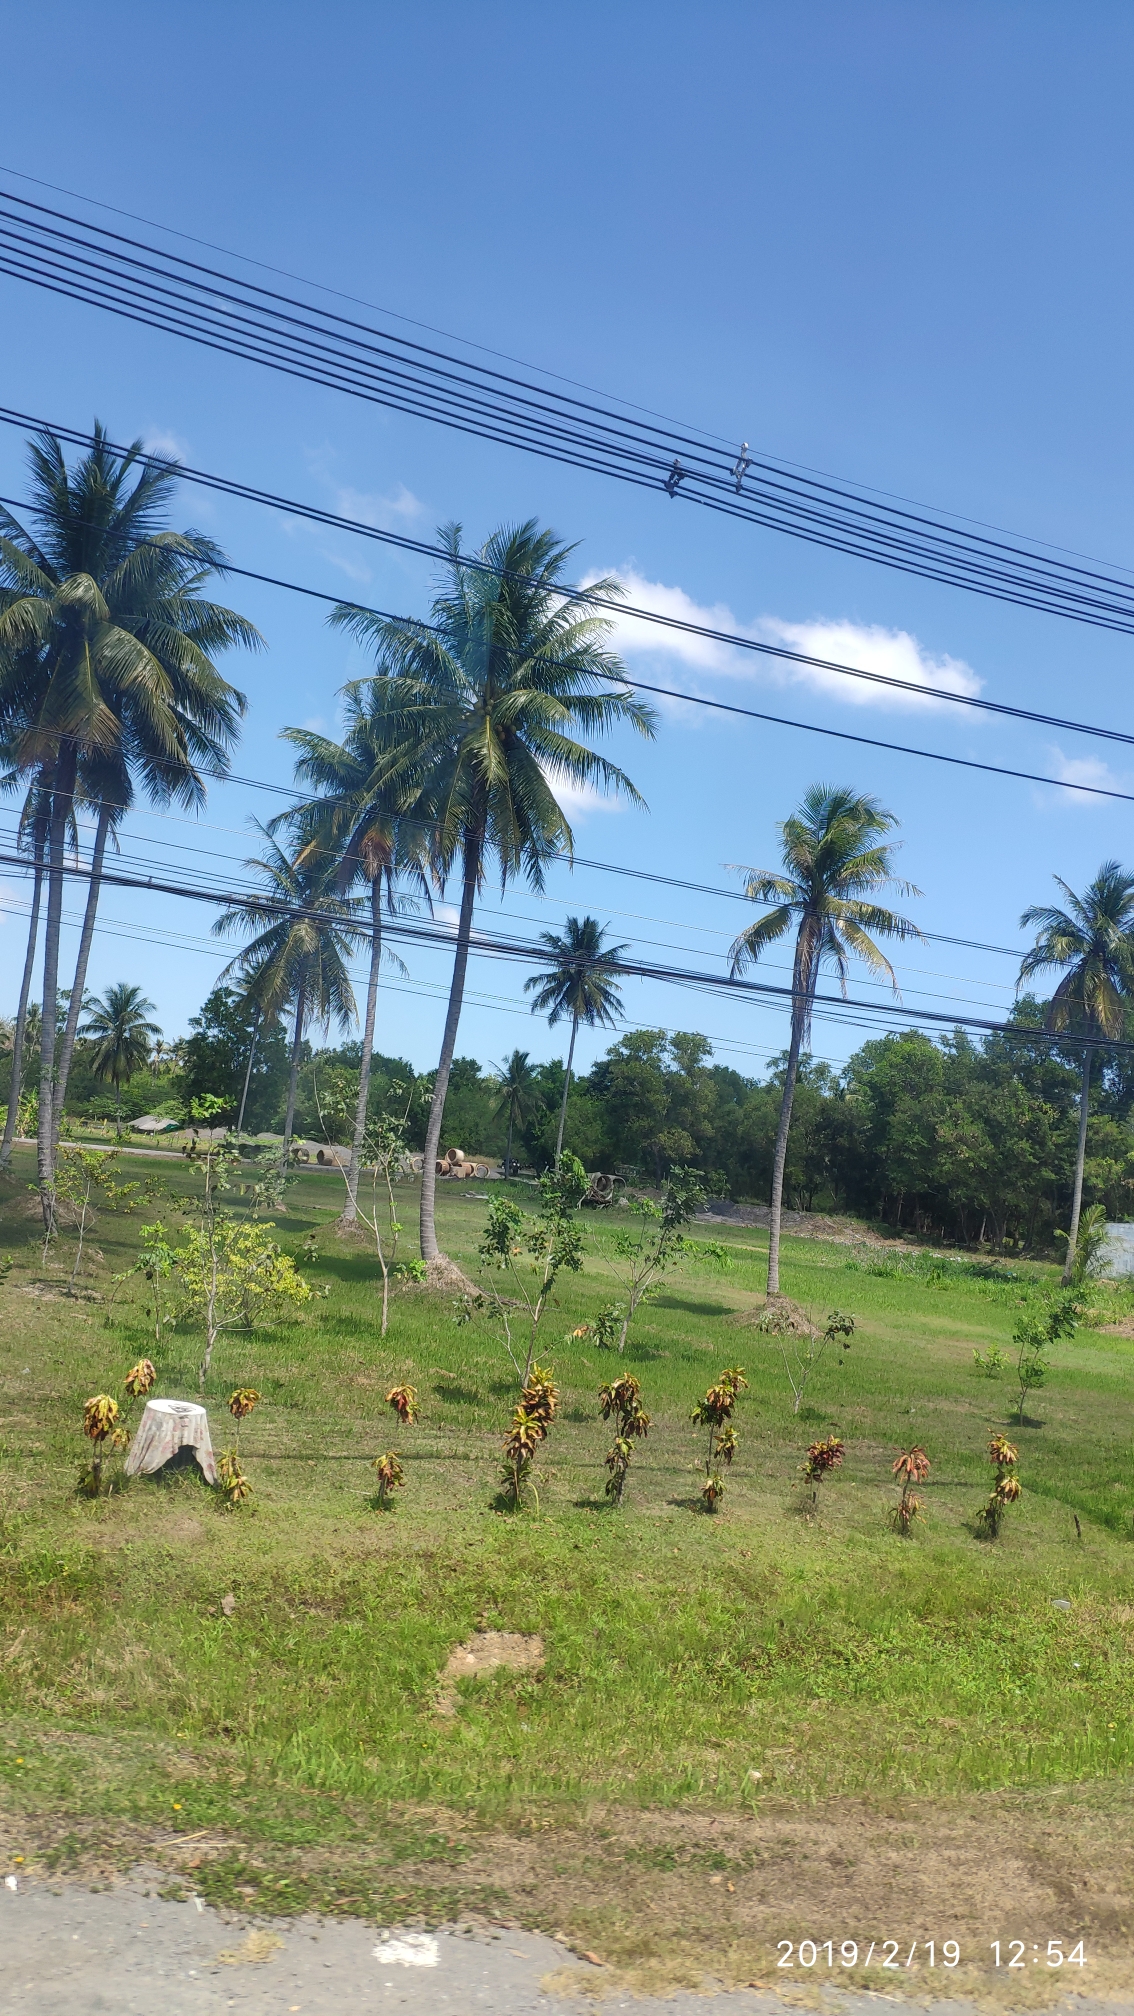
[(215, 1058)]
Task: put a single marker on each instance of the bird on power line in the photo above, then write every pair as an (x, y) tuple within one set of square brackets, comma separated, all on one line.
[(743, 461), (676, 475)]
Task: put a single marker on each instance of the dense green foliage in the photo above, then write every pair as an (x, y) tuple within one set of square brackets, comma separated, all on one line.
[(969, 1141)]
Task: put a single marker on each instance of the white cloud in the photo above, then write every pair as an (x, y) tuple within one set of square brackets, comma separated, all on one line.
[(578, 800), (399, 505), (894, 654), (160, 441), (1078, 770)]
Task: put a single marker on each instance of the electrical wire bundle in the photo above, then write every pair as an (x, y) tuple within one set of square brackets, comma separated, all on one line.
[(147, 284)]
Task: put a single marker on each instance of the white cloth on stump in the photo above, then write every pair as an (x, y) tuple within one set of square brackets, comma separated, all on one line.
[(165, 1427)]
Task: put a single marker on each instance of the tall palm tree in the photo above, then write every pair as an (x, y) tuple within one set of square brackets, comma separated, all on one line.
[(518, 1095), (33, 836), (362, 824), (298, 957), (121, 1035), (106, 661), (1093, 941), (485, 696), (835, 862), (579, 985)]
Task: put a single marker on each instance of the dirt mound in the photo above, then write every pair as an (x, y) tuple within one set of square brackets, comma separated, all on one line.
[(486, 1652), (445, 1275), (779, 1317)]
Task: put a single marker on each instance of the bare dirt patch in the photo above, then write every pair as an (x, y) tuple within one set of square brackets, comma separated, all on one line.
[(487, 1652)]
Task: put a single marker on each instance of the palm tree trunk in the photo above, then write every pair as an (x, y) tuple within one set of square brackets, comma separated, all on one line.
[(350, 1209), (75, 1005), (45, 1147), (248, 1071), (1080, 1159), (779, 1160), (508, 1149), (293, 1081), (566, 1089), (429, 1249), (22, 1011)]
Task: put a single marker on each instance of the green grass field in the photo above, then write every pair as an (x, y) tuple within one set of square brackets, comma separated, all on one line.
[(746, 1727)]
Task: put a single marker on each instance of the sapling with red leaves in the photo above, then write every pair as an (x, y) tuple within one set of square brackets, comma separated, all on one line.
[(1006, 1488), (912, 1467), (233, 1482), (532, 1417), (391, 1476), (715, 1413), (620, 1400), (822, 1458)]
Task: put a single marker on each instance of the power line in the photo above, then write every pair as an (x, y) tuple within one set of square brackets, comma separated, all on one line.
[(143, 283), (649, 616), (494, 945), (525, 364), (734, 639)]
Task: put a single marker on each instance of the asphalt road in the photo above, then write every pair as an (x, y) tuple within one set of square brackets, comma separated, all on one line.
[(72, 1951)]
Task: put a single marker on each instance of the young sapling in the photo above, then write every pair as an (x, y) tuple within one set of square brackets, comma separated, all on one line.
[(620, 1400), (912, 1467), (715, 1413), (822, 1458)]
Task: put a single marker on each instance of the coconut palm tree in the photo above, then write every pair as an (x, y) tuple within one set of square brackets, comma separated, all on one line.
[(362, 824), (121, 1035), (33, 837), (518, 1095), (579, 985), (298, 957), (485, 697), (106, 664), (835, 863), (1093, 942)]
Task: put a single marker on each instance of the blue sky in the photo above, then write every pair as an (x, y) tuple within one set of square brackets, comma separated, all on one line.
[(887, 242)]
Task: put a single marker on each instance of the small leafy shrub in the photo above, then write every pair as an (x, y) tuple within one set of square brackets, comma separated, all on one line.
[(605, 1329), (552, 1243), (822, 1458), (102, 1423), (534, 1412), (620, 1400), (1036, 1331), (991, 1363), (715, 1413), (1006, 1488), (234, 1484), (800, 1346), (391, 1478), (403, 1400), (912, 1467)]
